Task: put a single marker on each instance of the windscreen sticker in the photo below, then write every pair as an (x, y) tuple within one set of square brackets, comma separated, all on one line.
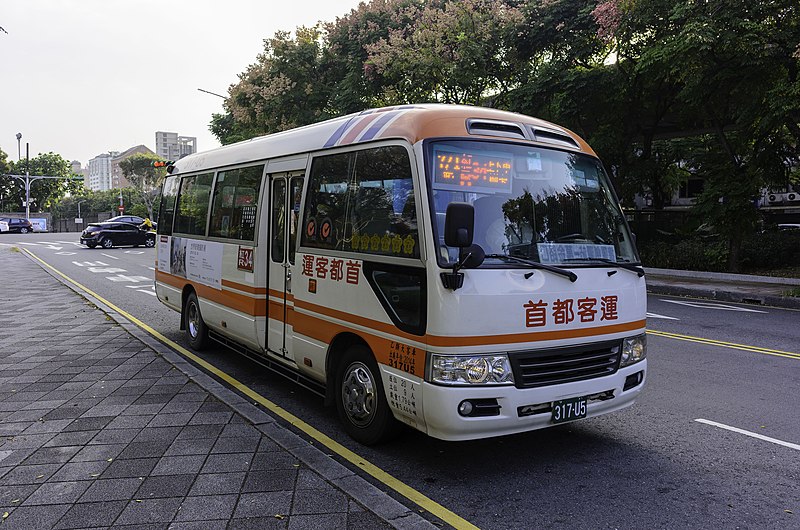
[(563, 252)]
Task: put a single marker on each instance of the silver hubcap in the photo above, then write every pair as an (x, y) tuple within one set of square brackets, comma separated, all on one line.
[(359, 395), (193, 318)]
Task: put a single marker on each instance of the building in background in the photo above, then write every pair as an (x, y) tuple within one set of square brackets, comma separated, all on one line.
[(171, 146), (118, 180), (99, 171), (78, 169)]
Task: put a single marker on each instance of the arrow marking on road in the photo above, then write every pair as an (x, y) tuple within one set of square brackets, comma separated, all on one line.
[(656, 315), (706, 305)]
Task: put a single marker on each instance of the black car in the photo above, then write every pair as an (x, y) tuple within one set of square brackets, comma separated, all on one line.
[(113, 234), (23, 226), (132, 219)]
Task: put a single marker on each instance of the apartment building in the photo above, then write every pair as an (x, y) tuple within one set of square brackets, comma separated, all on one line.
[(172, 146)]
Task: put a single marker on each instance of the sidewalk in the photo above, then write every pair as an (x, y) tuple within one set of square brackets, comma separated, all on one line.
[(99, 430), (742, 288)]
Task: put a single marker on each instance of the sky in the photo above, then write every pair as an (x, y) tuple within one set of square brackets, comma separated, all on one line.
[(84, 77)]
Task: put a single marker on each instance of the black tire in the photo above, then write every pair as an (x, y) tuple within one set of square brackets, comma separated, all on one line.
[(361, 400), (23, 230), (91, 245), (196, 329), (106, 242), (150, 242)]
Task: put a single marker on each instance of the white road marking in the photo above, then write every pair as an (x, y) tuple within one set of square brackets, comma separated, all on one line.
[(69, 243), (748, 433), (656, 315), (26, 243), (108, 270), (50, 245), (109, 256), (90, 263), (124, 278), (706, 305), (143, 289), (134, 252), (65, 253)]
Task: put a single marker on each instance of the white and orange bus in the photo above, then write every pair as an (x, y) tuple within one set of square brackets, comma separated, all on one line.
[(461, 270)]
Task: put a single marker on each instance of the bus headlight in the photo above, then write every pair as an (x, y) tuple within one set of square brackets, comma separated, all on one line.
[(491, 369), (634, 349)]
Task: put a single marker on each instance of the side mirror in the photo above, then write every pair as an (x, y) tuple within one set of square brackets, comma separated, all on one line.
[(459, 224)]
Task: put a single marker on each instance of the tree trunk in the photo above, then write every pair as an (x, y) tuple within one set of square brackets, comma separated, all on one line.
[(734, 251)]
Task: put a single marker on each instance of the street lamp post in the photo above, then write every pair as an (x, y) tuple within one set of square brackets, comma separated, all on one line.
[(27, 181), (19, 151), (79, 210)]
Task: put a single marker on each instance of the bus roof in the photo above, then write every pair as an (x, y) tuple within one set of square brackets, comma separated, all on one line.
[(410, 122)]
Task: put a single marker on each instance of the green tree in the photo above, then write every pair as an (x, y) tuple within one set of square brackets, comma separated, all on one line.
[(284, 89), (455, 52), (43, 192), (144, 177)]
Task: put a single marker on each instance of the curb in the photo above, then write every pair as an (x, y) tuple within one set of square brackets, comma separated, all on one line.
[(391, 511), (785, 302), (721, 276)]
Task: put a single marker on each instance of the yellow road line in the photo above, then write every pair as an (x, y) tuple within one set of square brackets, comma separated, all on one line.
[(733, 345), (403, 489)]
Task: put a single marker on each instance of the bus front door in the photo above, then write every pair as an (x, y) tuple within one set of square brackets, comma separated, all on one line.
[(285, 191)]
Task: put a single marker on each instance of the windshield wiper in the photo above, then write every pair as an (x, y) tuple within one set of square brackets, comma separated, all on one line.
[(536, 265), (627, 266)]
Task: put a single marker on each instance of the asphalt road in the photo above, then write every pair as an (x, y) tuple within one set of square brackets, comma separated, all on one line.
[(651, 466)]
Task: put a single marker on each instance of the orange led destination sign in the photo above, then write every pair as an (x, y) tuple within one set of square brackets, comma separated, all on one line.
[(462, 171)]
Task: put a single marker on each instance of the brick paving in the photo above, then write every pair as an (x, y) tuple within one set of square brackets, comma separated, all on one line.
[(98, 430)]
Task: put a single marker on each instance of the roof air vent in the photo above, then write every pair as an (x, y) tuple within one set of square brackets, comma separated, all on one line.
[(495, 128), (554, 137)]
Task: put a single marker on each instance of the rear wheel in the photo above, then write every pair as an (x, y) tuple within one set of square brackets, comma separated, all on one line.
[(361, 401), (150, 242), (23, 230), (106, 242), (196, 330)]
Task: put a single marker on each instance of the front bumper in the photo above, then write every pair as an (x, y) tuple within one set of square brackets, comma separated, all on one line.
[(444, 422)]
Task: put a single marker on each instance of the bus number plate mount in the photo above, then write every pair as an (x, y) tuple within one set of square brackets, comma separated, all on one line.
[(566, 410)]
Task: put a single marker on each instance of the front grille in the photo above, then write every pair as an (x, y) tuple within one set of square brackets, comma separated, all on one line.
[(536, 368)]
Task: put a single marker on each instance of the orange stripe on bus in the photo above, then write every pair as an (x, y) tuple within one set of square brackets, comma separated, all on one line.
[(243, 287), (279, 294), (325, 331), (236, 301), (475, 340)]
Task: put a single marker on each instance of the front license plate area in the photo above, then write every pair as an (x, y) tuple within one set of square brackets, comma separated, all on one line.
[(569, 409)]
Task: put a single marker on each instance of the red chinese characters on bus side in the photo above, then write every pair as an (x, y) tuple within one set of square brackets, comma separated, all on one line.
[(565, 311), (331, 268)]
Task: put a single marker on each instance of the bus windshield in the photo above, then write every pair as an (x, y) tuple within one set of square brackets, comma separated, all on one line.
[(531, 203)]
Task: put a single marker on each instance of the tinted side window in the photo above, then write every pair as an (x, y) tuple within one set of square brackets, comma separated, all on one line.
[(169, 194), (363, 202), (235, 203), (192, 207)]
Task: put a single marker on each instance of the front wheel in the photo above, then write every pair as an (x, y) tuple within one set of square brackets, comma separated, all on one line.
[(150, 242), (361, 400), (23, 230), (107, 243), (196, 330)]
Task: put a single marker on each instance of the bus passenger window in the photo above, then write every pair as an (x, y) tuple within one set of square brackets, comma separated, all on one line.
[(278, 235), (193, 204), (166, 212), (235, 203), (363, 201)]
